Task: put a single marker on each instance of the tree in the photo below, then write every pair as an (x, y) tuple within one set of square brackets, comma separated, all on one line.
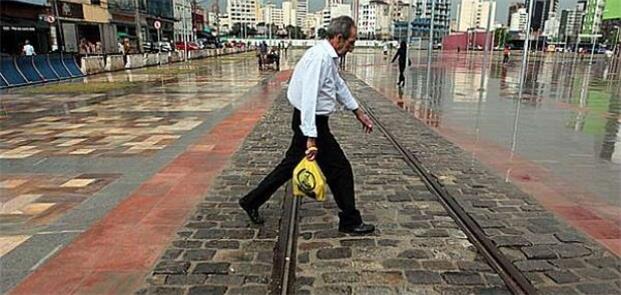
[(500, 36), (235, 30), (322, 33), (295, 32)]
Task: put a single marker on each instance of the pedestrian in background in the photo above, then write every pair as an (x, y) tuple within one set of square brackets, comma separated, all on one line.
[(314, 90), (402, 54), (27, 49), (506, 55)]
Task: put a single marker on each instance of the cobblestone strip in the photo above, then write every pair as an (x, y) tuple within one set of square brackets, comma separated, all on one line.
[(218, 251), (417, 248), (556, 258)]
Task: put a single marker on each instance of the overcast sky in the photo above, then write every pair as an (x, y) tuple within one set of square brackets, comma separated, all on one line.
[(502, 9)]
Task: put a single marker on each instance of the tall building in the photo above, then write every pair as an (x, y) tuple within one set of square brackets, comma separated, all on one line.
[(519, 20), (475, 14), (301, 9), (269, 14), (542, 11), (570, 24), (314, 22), (422, 19), (289, 14), (333, 11), (513, 9), (242, 12), (593, 14), (374, 20), (551, 28), (183, 20)]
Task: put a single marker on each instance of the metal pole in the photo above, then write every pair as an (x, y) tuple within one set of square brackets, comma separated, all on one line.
[(487, 37), (185, 29), (138, 28), (431, 26), (159, 47), (594, 40), (522, 78), (61, 36)]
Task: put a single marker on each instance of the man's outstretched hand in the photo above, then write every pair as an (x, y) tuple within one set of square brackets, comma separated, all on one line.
[(367, 124)]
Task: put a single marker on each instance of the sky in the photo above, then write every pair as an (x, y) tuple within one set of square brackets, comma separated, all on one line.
[(502, 6)]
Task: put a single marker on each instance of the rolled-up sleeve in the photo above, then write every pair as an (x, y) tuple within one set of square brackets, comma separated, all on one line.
[(343, 95), (310, 91)]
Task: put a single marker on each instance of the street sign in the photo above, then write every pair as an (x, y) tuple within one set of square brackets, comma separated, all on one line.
[(50, 19), (157, 24)]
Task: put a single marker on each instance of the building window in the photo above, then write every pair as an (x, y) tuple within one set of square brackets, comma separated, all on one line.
[(96, 2)]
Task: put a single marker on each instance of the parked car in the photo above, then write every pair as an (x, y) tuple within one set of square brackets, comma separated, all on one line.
[(152, 47), (190, 46)]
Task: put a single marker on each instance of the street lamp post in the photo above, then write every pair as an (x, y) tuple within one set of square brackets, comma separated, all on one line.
[(138, 28), (614, 51)]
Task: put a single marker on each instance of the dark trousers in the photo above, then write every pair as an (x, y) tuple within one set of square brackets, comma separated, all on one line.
[(401, 69), (331, 160)]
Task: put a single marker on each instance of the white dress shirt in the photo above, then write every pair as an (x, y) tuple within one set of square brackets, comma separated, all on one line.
[(316, 86)]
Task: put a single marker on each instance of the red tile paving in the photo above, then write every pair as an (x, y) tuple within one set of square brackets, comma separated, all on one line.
[(579, 208), (116, 253)]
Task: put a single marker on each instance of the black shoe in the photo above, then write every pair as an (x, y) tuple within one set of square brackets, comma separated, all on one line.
[(253, 213), (361, 229)]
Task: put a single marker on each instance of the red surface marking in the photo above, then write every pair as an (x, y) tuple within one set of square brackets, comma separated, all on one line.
[(116, 253)]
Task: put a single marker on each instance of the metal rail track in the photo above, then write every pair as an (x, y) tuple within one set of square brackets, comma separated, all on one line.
[(283, 274), (283, 271), (513, 278)]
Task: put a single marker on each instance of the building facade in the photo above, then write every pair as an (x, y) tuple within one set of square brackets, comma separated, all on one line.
[(333, 11), (374, 20), (289, 15), (242, 12), (183, 26), (421, 24), (513, 8), (301, 10), (20, 21), (519, 20), (269, 14), (594, 11), (474, 14)]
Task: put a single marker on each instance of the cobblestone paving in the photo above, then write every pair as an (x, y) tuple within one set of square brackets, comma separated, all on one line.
[(417, 249), (219, 251), (555, 258)]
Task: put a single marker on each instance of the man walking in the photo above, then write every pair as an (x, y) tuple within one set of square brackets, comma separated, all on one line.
[(27, 49), (314, 90)]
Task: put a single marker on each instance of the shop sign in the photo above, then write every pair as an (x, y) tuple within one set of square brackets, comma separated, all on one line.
[(18, 29), (68, 9)]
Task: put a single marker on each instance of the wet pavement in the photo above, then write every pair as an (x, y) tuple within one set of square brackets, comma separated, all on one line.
[(105, 189), (561, 144), (68, 159)]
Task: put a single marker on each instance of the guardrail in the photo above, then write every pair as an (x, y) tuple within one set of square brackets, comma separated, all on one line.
[(28, 70)]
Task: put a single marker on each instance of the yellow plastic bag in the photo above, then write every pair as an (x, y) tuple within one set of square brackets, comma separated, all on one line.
[(308, 180)]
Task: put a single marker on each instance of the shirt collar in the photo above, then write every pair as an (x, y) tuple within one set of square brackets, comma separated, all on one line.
[(328, 47)]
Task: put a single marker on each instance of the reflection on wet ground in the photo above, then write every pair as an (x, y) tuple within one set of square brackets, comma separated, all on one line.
[(86, 130), (561, 143), (126, 121)]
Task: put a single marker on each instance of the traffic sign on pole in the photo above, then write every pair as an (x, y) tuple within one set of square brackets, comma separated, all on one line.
[(157, 24)]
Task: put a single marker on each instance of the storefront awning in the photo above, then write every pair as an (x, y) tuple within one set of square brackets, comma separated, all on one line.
[(33, 2)]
